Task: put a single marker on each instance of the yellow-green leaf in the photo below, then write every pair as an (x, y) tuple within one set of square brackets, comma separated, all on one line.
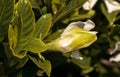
[(36, 45), (45, 65), (35, 4), (21, 31), (43, 26)]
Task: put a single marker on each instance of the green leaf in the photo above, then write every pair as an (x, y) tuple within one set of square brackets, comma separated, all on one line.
[(21, 31), (6, 13), (88, 70), (81, 16), (73, 4), (54, 36), (100, 68), (13, 60), (85, 63), (111, 17), (45, 65), (22, 28), (43, 26), (7, 51), (36, 46), (34, 3), (22, 62), (58, 5), (86, 15)]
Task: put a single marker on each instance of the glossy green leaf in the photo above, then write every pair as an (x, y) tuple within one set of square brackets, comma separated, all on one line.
[(54, 8), (54, 36), (36, 45), (73, 4), (111, 17), (58, 5), (34, 3), (45, 65), (88, 70), (43, 26), (6, 13), (22, 62), (84, 64), (86, 15), (7, 51), (10, 58), (81, 16), (21, 31), (13, 60)]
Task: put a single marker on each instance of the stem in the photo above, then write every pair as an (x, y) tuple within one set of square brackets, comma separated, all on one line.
[(54, 46)]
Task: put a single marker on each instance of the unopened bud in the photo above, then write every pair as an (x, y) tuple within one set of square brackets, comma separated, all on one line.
[(73, 38)]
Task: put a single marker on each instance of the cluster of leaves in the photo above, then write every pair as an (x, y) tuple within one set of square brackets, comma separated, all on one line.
[(27, 25)]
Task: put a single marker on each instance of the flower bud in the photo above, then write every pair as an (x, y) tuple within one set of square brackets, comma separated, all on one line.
[(74, 37)]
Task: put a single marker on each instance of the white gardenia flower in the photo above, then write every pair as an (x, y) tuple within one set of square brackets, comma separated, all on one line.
[(74, 37), (112, 5), (88, 5)]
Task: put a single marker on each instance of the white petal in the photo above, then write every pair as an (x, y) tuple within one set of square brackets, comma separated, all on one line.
[(112, 5), (89, 25), (93, 32), (117, 47), (89, 4), (76, 55), (116, 58), (74, 24), (65, 42)]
